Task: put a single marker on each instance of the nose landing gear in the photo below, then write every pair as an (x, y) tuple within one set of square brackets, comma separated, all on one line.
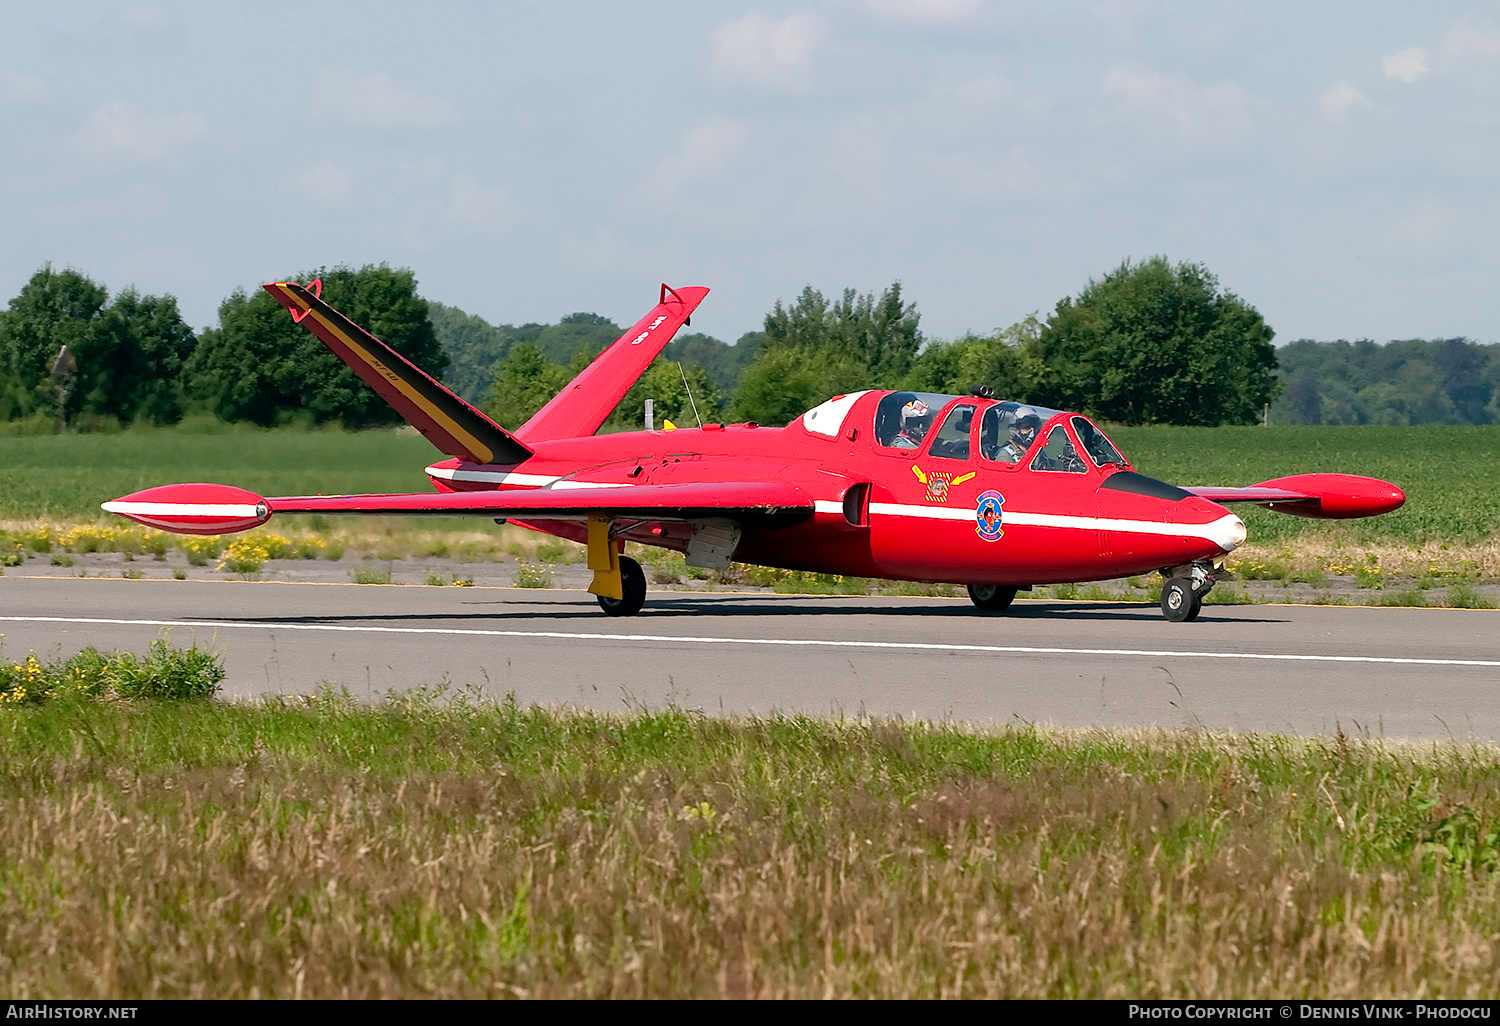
[(1182, 594)]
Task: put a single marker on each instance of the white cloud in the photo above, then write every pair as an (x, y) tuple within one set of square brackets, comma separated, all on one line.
[(430, 199), (18, 88), (324, 182), (1123, 19), (767, 52), (704, 150), (1408, 65), (148, 18), (1428, 228), (1474, 35), (1337, 99), (919, 11), (377, 100), (122, 132), (137, 202), (483, 209), (1200, 113)]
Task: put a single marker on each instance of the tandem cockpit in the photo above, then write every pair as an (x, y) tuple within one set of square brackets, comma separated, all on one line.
[(959, 427)]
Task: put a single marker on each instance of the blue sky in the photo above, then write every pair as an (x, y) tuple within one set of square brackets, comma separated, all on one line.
[(1337, 165)]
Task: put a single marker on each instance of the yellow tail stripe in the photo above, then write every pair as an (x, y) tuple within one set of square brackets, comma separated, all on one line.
[(474, 445)]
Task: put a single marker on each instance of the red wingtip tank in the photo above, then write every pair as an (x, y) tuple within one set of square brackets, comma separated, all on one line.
[(193, 508), (1339, 496)]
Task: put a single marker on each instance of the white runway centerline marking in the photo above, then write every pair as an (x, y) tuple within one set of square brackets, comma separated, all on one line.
[(669, 639)]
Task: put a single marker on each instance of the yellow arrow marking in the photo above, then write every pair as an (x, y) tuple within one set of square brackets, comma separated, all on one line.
[(918, 471)]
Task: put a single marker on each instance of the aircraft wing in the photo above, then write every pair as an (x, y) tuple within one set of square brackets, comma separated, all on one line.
[(1215, 493), (221, 509), (748, 500), (1325, 496)]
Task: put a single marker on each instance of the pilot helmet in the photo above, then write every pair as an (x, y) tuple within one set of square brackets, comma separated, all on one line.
[(913, 412), (1026, 422)]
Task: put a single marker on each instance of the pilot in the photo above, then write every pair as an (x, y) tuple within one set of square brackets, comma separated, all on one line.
[(1023, 429), (916, 418)]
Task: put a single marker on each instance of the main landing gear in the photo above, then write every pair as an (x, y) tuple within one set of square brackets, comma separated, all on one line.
[(992, 598), (632, 590), (1182, 594)]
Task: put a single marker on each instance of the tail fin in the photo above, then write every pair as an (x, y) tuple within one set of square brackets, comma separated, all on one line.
[(448, 422), (587, 400)]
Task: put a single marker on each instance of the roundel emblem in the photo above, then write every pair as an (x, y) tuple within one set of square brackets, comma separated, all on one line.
[(987, 517)]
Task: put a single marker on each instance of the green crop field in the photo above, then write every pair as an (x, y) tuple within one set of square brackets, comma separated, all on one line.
[(329, 849), (1451, 474)]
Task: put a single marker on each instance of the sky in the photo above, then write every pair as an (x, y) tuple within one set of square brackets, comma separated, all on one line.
[(1336, 165)]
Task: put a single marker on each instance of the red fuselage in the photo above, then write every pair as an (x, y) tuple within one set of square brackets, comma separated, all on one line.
[(899, 513)]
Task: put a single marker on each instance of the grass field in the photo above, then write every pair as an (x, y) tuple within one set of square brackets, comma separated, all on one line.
[(464, 849), (66, 477)]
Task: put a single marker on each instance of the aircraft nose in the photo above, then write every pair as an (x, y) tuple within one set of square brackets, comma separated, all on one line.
[(1213, 523), (1228, 533)]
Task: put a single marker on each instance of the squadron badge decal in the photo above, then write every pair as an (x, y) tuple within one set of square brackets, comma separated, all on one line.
[(987, 516), (938, 485)]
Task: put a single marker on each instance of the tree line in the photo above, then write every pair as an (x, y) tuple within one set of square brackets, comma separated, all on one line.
[(1410, 381), (1149, 342)]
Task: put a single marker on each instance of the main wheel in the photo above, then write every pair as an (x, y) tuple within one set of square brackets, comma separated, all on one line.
[(992, 598), (1179, 602), (632, 589)]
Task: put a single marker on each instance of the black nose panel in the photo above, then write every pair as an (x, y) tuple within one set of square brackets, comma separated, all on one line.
[(1140, 484)]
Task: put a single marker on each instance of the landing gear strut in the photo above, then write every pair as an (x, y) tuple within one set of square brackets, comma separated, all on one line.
[(1182, 594), (992, 598)]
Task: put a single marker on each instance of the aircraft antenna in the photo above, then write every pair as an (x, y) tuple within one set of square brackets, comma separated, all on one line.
[(690, 393)]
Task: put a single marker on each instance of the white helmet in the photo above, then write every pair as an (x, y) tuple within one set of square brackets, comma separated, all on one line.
[(914, 410)]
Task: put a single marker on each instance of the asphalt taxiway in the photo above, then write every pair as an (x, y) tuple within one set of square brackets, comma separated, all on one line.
[(1395, 672)]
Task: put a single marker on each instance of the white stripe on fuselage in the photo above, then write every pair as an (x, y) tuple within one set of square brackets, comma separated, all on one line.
[(1215, 531), (1020, 518)]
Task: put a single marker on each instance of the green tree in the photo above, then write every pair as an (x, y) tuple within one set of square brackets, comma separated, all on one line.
[(1005, 361), (1157, 343), (474, 347), (782, 384), (576, 333), (663, 383), (130, 365), (523, 384), (722, 362), (53, 309), (814, 349), (259, 366), (1438, 381)]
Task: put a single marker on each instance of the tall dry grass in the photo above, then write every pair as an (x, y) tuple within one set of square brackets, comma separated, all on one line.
[(470, 849)]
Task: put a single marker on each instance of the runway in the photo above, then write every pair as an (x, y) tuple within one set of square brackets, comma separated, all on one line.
[(1395, 672)]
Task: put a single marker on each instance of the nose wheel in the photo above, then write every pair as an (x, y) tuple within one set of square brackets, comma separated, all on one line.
[(1179, 602), (1182, 594), (992, 598)]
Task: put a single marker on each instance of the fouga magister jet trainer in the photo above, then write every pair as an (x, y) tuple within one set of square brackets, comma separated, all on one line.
[(995, 495)]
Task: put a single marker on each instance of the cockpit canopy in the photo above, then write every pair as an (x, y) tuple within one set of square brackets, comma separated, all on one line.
[(944, 425)]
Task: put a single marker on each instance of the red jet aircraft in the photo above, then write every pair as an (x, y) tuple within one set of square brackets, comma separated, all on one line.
[(911, 486)]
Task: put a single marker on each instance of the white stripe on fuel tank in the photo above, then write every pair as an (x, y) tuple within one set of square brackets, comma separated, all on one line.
[(180, 509)]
